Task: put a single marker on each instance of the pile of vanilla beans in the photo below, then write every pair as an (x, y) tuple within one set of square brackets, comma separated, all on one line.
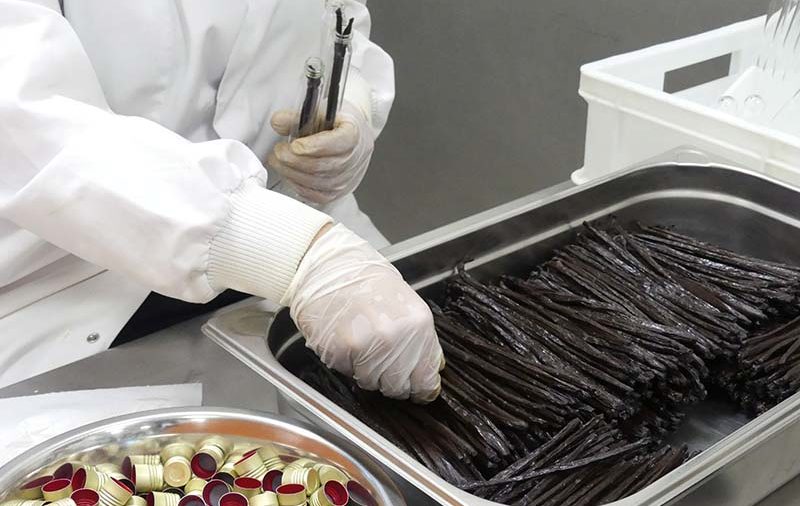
[(767, 370), (560, 387)]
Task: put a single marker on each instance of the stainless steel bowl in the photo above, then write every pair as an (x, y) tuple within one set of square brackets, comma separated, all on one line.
[(110, 440)]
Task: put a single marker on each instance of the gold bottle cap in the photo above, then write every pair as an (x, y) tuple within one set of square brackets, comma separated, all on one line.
[(319, 498), (359, 495), (179, 449), (108, 468), (207, 461), (177, 471), (307, 477), (23, 502), (268, 452), (55, 490), (248, 487), (274, 463), (191, 500), (127, 466), (99, 480), (228, 466), (195, 486), (114, 493), (334, 492), (222, 443), (304, 462), (330, 473), (86, 497), (136, 500), (66, 470), (226, 477), (241, 447), (34, 502), (87, 477), (121, 477), (250, 465), (146, 446), (291, 494), (272, 480), (162, 499), (131, 460), (128, 483), (114, 449), (265, 499), (33, 489), (233, 499), (148, 478), (149, 459), (235, 457), (66, 501), (214, 490)]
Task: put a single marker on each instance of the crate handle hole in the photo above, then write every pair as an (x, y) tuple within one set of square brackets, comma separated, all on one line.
[(696, 74)]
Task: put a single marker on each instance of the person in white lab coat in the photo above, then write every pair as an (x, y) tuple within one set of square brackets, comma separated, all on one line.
[(132, 141)]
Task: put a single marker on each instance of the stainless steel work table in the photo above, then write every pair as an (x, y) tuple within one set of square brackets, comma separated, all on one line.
[(181, 354)]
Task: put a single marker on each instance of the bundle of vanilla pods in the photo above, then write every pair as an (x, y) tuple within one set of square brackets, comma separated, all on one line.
[(767, 370), (560, 386)]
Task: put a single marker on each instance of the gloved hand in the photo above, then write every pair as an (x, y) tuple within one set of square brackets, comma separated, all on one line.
[(363, 320), (328, 165)]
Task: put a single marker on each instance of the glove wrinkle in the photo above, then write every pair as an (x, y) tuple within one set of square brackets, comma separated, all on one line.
[(362, 319)]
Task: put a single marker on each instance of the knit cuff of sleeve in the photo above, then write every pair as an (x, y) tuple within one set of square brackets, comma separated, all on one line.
[(262, 241)]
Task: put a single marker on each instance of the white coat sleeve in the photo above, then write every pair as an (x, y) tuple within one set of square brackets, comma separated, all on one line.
[(185, 219), (370, 84)]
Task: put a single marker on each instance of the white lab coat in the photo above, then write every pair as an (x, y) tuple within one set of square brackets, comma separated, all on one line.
[(99, 202)]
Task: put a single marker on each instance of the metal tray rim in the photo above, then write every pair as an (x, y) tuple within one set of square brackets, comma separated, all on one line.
[(537, 199)]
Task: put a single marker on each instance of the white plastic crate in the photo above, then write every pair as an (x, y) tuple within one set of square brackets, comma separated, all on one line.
[(631, 118)]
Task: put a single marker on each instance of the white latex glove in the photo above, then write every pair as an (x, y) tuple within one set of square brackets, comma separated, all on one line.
[(362, 319), (328, 165)]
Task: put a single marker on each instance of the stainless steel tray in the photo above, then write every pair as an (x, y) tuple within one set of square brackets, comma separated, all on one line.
[(743, 462)]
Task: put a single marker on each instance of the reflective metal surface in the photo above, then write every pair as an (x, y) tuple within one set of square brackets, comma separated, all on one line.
[(111, 439), (734, 208)]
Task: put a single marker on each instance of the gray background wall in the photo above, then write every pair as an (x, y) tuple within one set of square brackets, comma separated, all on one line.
[(487, 107)]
